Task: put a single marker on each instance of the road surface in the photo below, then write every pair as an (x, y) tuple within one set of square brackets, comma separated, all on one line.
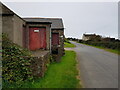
[(98, 68)]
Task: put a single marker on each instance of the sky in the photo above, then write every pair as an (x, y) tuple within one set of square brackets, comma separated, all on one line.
[(78, 17)]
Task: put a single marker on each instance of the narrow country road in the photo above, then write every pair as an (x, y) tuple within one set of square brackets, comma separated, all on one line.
[(98, 68)]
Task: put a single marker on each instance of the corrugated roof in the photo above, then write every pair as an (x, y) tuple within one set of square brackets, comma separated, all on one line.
[(57, 23)]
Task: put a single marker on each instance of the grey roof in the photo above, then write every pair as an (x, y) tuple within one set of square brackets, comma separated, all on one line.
[(6, 11), (57, 23)]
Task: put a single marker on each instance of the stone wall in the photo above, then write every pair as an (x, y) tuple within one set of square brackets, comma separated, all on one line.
[(39, 65)]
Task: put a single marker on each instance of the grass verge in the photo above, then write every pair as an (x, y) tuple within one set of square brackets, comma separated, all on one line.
[(106, 49), (59, 75), (109, 50), (69, 45)]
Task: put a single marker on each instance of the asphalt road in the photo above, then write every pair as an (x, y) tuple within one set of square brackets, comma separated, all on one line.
[(98, 68)]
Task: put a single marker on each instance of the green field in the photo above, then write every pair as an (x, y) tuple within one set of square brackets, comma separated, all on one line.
[(69, 45), (59, 75)]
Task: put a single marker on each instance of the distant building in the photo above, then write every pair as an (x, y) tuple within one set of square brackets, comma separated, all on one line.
[(108, 39), (87, 37), (92, 37)]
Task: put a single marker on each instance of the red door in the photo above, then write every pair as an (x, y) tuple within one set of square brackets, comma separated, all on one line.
[(43, 38), (37, 38), (34, 40), (55, 38)]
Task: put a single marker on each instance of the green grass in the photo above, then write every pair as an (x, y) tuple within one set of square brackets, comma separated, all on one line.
[(69, 45), (113, 51), (59, 75), (106, 49), (109, 50)]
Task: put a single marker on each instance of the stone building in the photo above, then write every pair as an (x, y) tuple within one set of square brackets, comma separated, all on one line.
[(92, 37), (45, 34), (12, 25), (55, 36), (37, 34)]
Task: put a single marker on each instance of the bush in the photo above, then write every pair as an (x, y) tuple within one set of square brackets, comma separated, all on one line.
[(66, 40), (15, 65)]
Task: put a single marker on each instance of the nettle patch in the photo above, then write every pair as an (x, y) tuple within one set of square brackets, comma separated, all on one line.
[(15, 63)]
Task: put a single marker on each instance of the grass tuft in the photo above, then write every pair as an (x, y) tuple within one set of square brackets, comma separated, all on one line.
[(69, 45)]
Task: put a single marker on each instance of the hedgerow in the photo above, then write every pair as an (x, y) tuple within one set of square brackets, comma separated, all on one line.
[(15, 63), (111, 45), (67, 41)]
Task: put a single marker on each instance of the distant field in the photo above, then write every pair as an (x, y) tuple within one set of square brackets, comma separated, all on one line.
[(69, 45)]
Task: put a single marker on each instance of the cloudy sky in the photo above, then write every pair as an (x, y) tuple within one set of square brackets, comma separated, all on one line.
[(79, 17)]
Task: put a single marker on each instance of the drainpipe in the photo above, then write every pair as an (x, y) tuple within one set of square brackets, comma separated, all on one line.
[(50, 40)]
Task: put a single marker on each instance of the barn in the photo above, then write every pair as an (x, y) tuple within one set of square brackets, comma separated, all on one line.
[(12, 25), (44, 34), (57, 31), (37, 34), (55, 34), (32, 35)]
